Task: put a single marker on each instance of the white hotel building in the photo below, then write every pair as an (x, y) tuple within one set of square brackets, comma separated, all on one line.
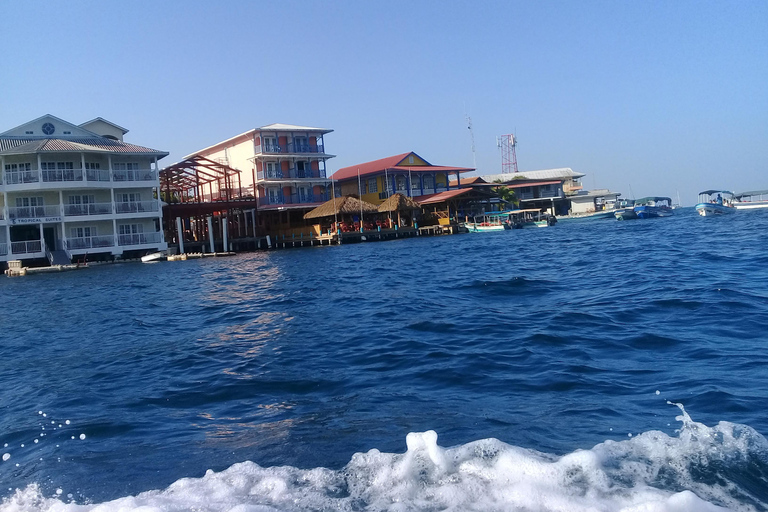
[(75, 192)]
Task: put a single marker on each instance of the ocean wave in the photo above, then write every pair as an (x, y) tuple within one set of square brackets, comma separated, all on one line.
[(701, 469)]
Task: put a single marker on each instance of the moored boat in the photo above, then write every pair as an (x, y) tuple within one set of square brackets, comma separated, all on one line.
[(625, 213), (154, 256), (653, 206), (487, 222), (715, 202), (751, 200), (529, 218)]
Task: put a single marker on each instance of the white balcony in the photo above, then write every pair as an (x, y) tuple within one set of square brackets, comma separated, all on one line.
[(74, 210), (139, 239), (19, 178), (61, 175), (34, 212), (90, 242), (135, 175), (136, 207), (28, 247)]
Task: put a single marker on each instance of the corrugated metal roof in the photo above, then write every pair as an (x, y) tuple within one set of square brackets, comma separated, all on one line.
[(441, 196), (546, 174), (391, 163), (19, 145)]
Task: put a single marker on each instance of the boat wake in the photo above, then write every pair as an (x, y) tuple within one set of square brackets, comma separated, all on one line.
[(701, 469)]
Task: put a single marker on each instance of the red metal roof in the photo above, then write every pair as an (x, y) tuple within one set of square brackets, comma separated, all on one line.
[(391, 163), (441, 196)]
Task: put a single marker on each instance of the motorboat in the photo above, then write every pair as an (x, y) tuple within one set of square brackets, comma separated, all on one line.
[(751, 200), (529, 218), (487, 222), (653, 206), (154, 256), (625, 213), (715, 202)]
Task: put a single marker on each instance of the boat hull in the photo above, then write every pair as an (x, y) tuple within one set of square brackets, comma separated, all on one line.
[(649, 212), (750, 205), (625, 214), (712, 209), (478, 228)]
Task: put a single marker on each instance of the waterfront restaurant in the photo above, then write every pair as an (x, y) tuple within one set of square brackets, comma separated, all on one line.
[(407, 174), (70, 192)]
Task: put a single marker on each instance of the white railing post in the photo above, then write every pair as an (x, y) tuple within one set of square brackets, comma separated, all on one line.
[(180, 234)]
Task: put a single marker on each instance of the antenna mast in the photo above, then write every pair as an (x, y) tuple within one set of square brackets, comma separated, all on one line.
[(507, 144), (472, 137)]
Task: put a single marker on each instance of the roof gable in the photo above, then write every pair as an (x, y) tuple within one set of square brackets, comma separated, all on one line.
[(377, 166), (59, 127)]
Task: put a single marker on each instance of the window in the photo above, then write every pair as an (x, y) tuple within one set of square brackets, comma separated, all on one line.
[(272, 170), (29, 201), (372, 186), (92, 166), (300, 144), (410, 159), (130, 234), (30, 207), (132, 197), (130, 229), (301, 171), (125, 166), (429, 182), (269, 145), (273, 196), (82, 232), (303, 195), (401, 183)]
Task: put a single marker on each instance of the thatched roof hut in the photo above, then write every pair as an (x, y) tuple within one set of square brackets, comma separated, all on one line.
[(399, 203), (341, 205)]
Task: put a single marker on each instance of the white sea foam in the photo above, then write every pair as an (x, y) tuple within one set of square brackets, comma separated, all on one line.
[(651, 472)]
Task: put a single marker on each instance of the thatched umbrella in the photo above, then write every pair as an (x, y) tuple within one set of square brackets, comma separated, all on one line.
[(348, 205), (399, 203)]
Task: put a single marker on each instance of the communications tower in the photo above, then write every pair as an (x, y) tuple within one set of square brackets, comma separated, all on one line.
[(506, 144)]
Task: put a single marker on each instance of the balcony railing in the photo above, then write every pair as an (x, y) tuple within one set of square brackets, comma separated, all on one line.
[(139, 239), (90, 242), (97, 175), (73, 210), (16, 178), (57, 175), (2, 214), (136, 207), (3, 249), (279, 174), (290, 148), (29, 247), (135, 175), (294, 199), (33, 212)]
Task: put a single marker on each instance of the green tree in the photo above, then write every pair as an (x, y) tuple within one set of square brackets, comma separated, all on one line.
[(505, 193)]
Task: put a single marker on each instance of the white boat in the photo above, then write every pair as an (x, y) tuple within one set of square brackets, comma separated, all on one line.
[(487, 222), (529, 218), (751, 200), (715, 202), (154, 256)]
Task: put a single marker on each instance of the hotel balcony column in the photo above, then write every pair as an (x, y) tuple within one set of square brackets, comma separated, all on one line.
[(109, 164), (82, 166), (63, 230), (42, 238), (421, 184), (39, 165)]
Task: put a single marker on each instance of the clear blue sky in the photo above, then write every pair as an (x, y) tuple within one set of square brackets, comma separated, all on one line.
[(659, 96)]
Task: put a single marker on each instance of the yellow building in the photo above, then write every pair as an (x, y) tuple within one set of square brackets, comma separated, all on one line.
[(408, 174)]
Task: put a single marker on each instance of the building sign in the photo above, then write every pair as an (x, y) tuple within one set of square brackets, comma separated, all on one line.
[(37, 220)]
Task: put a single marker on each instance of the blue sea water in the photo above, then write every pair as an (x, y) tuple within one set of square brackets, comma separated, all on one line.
[(531, 370)]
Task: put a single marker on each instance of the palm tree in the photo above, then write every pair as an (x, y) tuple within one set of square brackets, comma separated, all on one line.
[(505, 193)]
